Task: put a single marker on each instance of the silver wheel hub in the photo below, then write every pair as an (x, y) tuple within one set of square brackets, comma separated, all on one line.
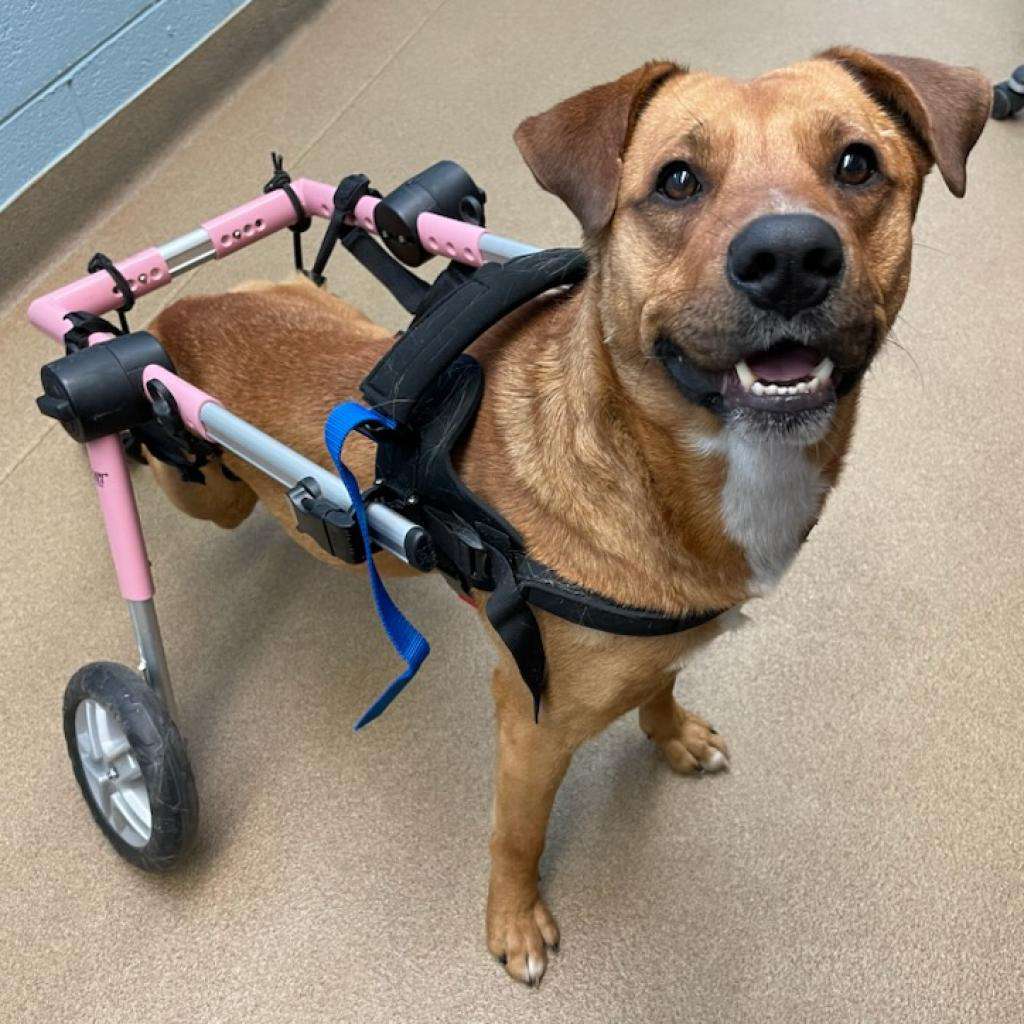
[(112, 773)]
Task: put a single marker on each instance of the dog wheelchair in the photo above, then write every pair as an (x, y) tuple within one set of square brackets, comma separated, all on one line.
[(116, 390)]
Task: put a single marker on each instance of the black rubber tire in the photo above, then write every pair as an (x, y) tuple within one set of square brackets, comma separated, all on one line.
[(160, 751), (1002, 106)]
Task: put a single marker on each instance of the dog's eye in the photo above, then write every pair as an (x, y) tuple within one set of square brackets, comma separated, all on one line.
[(857, 166), (677, 182)]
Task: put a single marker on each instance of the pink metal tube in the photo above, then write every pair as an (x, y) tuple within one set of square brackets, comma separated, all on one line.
[(250, 222), (146, 271), (121, 517)]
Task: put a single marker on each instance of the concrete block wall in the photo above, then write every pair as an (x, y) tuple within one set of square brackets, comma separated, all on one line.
[(67, 67)]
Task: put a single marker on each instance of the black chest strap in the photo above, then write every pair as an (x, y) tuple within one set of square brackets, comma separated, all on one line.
[(477, 548)]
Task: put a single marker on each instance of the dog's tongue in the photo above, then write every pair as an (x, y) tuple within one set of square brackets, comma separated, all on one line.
[(793, 362)]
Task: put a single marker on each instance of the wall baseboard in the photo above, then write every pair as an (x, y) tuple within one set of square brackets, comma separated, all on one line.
[(46, 218)]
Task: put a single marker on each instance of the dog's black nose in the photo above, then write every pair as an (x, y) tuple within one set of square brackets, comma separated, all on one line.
[(785, 261)]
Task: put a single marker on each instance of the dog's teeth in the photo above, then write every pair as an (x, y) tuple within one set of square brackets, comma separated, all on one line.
[(758, 388), (812, 385), (801, 388), (771, 389), (745, 374), (823, 371)]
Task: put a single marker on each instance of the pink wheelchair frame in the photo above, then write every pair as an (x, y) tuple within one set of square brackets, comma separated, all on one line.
[(202, 413)]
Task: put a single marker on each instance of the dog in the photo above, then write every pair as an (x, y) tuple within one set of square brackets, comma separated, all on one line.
[(664, 434)]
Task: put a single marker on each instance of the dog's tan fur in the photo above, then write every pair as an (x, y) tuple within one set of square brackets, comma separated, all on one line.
[(582, 441)]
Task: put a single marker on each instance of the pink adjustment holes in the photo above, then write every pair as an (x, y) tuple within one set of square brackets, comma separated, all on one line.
[(155, 273), (225, 239), (236, 233), (468, 253), (325, 209), (247, 230), (143, 279), (449, 248), (432, 243), (259, 224)]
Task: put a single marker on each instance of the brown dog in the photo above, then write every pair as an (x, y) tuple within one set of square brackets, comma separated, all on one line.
[(666, 433)]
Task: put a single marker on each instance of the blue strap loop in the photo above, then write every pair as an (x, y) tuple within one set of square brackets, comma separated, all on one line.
[(410, 644)]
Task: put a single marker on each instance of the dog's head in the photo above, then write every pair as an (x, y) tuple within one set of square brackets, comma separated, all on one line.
[(752, 240)]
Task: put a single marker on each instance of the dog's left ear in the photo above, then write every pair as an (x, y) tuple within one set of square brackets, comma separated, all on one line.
[(945, 106), (575, 149)]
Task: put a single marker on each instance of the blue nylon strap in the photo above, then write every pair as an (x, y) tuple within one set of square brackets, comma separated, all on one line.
[(404, 637)]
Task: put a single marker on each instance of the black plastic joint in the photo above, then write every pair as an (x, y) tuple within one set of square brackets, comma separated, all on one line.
[(445, 189), (96, 391)]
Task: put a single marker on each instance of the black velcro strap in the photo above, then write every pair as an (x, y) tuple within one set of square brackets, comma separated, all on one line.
[(349, 191), (162, 445), (100, 261), (408, 289), (282, 180), (543, 588), (451, 325), (513, 621), (83, 325)]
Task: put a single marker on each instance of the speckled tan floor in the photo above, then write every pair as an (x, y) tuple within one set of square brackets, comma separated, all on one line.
[(864, 859)]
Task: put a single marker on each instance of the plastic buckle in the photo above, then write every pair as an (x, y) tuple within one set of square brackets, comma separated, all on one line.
[(461, 546), (333, 529)]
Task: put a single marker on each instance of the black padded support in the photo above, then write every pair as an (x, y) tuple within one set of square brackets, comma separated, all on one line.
[(452, 324)]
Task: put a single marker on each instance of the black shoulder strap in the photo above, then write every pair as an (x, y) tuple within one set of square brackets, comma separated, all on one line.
[(449, 326)]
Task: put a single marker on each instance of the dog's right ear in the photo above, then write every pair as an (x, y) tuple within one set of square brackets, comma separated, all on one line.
[(575, 149)]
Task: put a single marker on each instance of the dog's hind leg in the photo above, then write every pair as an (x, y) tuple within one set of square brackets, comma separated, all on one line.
[(222, 500)]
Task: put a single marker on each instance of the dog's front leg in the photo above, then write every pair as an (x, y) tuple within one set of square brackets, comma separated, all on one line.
[(532, 760), (688, 742)]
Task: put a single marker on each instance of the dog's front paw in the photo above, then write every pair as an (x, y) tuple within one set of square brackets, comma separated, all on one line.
[(689, 744), (521, 936)]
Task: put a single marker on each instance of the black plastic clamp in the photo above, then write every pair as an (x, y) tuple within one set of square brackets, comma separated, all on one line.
[(333, 529)]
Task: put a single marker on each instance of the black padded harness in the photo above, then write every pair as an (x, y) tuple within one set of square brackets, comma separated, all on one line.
[(432, 391)]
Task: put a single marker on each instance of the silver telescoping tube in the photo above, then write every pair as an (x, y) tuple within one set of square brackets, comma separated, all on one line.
[(153, 660), (389, 529), (496, 249), (186, 252)]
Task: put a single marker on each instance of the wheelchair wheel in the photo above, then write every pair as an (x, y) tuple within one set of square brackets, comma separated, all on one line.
[(1002, 102), (131, 765)]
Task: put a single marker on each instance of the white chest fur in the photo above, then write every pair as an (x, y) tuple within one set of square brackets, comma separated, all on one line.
[(771, 495)]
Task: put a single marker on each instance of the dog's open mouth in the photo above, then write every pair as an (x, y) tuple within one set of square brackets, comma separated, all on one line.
[(781, 382), (788, 377)]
